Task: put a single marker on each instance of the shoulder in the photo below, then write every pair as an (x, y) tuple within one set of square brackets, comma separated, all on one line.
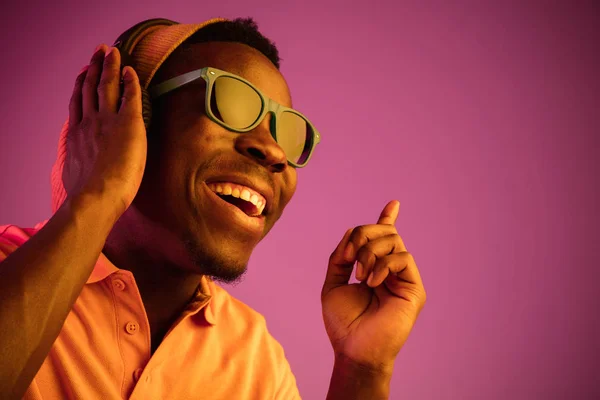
[(245, 331), (230, 309), (240, 321), (247, 328)]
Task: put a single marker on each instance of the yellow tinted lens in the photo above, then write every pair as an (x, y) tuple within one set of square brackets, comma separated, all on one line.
[(293, 135), (235, 103)]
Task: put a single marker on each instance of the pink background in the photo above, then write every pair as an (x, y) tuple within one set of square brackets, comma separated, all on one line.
[(481, 118)]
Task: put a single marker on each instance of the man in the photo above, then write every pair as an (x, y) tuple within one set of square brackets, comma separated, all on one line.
[(115, 295)]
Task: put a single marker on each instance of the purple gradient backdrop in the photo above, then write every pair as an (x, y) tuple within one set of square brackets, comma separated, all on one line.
[(481, 118)]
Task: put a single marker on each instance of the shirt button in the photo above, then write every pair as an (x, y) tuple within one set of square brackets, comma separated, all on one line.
[(119, 284), (137, 373), (131, 328)]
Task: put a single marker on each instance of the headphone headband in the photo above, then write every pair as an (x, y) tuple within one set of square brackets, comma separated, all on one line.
[(127, 41)]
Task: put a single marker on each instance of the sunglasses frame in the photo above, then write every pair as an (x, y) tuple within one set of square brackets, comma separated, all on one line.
[(268, 105)]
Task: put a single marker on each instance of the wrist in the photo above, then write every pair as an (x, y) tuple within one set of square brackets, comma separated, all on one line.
[(100, 208), (352, 380), (378, 369)]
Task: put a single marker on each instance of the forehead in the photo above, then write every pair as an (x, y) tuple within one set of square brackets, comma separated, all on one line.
[(236, 58)]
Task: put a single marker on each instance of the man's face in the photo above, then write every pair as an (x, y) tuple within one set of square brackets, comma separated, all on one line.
[(189, 154)]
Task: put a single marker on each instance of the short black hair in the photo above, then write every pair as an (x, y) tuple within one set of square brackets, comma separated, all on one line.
[(239, 30)]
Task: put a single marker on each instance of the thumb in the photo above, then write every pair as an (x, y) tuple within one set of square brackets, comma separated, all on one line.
[(390, 213)]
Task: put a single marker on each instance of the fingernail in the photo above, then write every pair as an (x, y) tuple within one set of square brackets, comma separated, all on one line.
[(359, 270), (370, 280), (108, 51), (348, 252)]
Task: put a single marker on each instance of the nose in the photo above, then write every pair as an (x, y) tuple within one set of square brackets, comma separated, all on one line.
[(259, 145)]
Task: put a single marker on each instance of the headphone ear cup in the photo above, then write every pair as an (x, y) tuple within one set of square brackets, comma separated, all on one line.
[(126, 42), (146, 109)]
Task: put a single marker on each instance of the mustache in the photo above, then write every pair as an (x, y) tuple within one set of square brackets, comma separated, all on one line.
[(222, 165)]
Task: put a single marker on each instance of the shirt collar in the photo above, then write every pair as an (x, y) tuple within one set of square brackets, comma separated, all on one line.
[(204, 297), (102, 269)]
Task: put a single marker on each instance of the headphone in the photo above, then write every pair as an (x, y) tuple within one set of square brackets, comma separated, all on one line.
[(125, 43)]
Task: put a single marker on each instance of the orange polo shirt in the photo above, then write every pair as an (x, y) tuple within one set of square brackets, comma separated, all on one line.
[(218, 349)]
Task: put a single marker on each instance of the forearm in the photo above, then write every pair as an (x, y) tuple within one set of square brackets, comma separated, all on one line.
[(39, 283), (350, 381)]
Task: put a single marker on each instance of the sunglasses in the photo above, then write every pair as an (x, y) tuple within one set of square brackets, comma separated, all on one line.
[(237, 105)]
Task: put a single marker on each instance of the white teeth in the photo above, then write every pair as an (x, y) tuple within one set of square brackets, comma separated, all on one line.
[(259, 209), (245, 195)]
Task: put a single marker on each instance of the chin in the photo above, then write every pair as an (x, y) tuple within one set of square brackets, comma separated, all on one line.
[(228, 276), (220, 265)]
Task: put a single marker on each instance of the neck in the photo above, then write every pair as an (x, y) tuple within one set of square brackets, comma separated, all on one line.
[(166, 286)]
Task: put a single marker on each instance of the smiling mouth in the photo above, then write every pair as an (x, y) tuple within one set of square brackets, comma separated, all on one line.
[(244, 198)]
